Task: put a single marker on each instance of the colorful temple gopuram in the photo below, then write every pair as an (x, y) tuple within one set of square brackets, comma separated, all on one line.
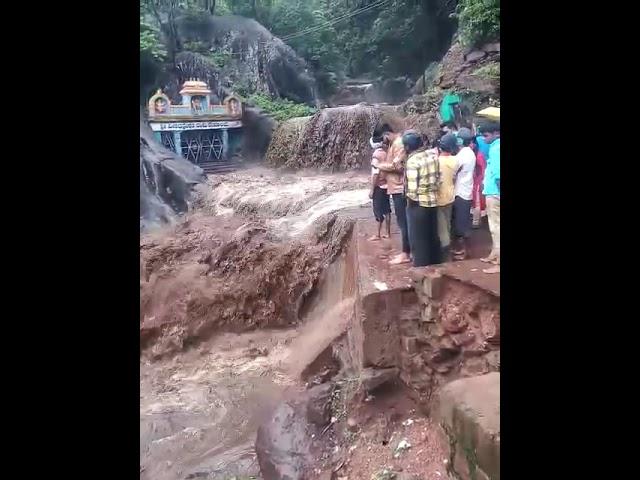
[(200, 130)]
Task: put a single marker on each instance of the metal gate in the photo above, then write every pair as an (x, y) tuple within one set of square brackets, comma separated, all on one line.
[(200, 146), (167, 141)]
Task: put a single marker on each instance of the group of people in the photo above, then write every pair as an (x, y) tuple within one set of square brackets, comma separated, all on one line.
[(438, 190)]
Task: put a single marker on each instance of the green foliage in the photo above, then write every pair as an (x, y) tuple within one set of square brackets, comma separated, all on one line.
[(150, 42), (319, 47), (257, 9), (479, 21), (280, 109), (338, 38), (219, 59), (490, 71)]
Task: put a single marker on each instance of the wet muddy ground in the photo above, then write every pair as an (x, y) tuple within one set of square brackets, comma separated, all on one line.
[(201, 402)]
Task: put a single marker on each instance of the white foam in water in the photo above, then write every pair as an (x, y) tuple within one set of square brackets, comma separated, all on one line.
[(295, 225)]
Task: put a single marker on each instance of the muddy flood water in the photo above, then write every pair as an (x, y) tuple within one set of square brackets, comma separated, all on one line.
[(201, 405)]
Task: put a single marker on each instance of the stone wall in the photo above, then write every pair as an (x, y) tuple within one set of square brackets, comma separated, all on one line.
[(454, 332)]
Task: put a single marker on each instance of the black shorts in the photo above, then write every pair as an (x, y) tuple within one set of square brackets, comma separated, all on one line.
[(462, 221), (381, 204)]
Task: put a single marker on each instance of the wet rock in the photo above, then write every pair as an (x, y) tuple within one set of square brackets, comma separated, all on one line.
[(166, 180), (454, 323), (475, 56), (493, 359), (490, 326), (492, 47), (266, 64), (463, 339), (374, 378), (444, 354), (475, 350), (283, 444), (409, 344), (319, 404), (254, 352), (475, 366)]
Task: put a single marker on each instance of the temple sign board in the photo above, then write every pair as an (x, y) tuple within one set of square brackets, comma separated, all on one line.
[(197, 129)]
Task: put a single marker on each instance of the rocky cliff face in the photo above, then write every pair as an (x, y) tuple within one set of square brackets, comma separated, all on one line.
[(166, 181), (474, 74), (234, 53)]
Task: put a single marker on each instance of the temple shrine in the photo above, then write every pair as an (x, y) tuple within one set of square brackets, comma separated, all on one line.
[(200, 130)]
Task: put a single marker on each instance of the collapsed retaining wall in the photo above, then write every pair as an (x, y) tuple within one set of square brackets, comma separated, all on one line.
[(454, 334), (433, 327), (421, 326)]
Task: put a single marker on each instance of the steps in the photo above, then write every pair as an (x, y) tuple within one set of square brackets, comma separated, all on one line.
[(218, 167)]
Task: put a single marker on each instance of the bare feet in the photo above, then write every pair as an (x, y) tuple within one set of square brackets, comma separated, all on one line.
[(459, 255), (495, 269), (398, 259), (375, 238), (490, 259), (384, 235)]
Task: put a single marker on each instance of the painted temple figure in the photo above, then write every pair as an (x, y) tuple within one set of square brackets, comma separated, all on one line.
[(197, 103)]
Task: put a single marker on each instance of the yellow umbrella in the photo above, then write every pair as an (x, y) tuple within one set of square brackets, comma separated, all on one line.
[(490, 112)]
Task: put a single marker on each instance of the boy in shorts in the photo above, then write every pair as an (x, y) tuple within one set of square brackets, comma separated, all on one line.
[(378, 193)]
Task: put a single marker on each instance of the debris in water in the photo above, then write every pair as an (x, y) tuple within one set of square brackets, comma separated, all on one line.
[(352, 424), (403, 446), (380, 285)]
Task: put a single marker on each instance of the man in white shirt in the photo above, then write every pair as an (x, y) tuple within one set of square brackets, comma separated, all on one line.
[(463, 194)]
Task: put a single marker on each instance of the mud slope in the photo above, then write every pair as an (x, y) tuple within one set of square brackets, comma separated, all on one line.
[(213, 274)]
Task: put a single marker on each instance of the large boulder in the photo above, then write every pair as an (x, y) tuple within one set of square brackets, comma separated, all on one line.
[(232, 52), (286, 443), (166, 180)]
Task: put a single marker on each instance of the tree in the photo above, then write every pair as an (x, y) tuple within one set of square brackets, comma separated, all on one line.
[(479, 21), (210, 6)]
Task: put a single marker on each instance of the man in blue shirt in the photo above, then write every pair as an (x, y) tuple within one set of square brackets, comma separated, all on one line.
[(491, 190)]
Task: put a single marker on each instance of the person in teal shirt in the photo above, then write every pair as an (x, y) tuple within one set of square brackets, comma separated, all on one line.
[(491, 190), (492, 174)]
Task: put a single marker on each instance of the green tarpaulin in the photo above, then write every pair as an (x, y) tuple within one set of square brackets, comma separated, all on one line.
[(447, 113)]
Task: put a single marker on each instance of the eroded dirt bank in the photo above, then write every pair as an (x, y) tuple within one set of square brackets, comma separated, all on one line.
[(240, 302)]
